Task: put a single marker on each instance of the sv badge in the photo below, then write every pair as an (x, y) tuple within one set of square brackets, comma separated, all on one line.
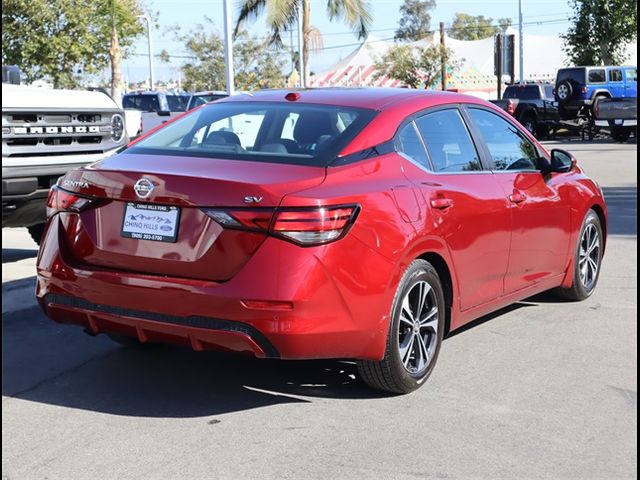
[(253, 199)]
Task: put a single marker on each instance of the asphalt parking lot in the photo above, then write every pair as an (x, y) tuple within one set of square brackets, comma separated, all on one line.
[(542, 389)]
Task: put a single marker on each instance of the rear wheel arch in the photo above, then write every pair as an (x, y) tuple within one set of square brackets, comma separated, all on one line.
[(442, 268)]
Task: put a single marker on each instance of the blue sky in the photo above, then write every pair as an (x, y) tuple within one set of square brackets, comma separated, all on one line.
[(541, 17)]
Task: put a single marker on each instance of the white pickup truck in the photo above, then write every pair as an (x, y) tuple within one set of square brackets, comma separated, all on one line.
[(45, 133)]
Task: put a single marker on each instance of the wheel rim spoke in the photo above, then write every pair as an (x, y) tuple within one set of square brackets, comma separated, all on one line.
[(589, 256), (418, 327)]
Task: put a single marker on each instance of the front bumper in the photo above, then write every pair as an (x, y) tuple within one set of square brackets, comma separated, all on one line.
[(309, 307)]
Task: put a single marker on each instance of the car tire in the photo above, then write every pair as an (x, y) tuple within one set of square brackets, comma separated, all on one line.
[(588, 254), (36, 232), (530, 124), (413, 340), (620, 134)]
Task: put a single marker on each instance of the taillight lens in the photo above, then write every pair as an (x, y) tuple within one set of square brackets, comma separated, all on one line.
[(511, 108), (583, 90), (302, 226), (60, 200)]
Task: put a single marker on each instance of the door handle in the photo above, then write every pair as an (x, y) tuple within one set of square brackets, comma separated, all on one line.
[(441, 203), (517, 197)]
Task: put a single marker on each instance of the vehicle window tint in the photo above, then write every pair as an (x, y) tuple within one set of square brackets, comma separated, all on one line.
[(527, 92), (146, 103), (573, 74), (177, 103), (408, 142), (508, 146), (295, 133), (597, 75), (548, 92), (615, 75), (448, 142), (632, 74)]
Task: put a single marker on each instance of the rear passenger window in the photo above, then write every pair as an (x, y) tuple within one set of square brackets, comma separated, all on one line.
[(409, 143), (615, 75), (448, 142), (597, 76), (632, 74), (510, 149)]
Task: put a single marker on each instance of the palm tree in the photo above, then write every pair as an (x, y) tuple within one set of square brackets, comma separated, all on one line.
[(283, 14)]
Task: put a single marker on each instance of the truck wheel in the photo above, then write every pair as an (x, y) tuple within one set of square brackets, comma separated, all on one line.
[(530, 124), (620, 134), (36, 232)]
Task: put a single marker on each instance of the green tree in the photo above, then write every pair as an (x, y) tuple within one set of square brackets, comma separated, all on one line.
[(415, 67), (601, 30), (256, 64), (283, 15), (470, 27), (415, 20), (63, 39)]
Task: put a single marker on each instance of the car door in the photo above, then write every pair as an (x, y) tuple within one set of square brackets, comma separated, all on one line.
[(616, 83), (465, 206), (539, 204), (552, 113)]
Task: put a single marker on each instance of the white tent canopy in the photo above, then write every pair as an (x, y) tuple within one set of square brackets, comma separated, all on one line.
[(543, 56)]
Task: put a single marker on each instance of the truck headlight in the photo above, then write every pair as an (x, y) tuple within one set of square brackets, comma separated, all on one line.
[(117, 127)]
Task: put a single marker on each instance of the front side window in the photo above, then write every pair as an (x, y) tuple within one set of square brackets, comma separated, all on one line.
[(408, 142), (597, 75), (294, 133), (448, 142), (615, 75), (509, 148)]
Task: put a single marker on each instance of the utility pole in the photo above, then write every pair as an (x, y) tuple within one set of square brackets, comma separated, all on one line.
[(498, 62), (443, 59), (520, 41), (228, 49), (301, 44), (148, 20)]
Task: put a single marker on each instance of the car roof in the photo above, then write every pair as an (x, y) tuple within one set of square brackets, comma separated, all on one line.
[(375, 98)]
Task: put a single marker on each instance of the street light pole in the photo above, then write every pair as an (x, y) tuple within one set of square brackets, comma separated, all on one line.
[(148, 20), (228, 49), (301, 65), (520, 41)]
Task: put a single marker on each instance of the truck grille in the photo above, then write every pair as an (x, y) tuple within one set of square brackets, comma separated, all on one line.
[(47, 133)]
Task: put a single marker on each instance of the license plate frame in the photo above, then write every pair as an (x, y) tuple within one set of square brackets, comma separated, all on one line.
[(146, 221)]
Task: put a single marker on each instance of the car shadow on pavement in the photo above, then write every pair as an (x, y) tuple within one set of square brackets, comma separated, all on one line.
[(623, 210), (15, 254), (60, 365)]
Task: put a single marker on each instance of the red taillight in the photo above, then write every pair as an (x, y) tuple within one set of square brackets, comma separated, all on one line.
[(303, 226), (60, 200), (511, 108), (583, 90)]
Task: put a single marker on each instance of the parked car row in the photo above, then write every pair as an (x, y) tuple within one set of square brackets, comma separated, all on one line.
[(582, 97), (157, 107)]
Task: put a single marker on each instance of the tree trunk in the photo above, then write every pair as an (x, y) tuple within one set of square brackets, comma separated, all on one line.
[(116, 76)]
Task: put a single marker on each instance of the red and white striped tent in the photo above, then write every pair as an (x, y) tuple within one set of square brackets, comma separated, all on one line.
[(543, 56)]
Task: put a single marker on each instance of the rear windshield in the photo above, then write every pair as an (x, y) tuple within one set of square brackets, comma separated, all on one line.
[(575, 74), (146, 103), (295, 133), (526, 92)]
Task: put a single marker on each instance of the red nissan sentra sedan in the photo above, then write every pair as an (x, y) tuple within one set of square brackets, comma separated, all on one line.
[(332, 223)]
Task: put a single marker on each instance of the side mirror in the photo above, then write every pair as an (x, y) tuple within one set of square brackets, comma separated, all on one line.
[(164, 113), (562, 161)]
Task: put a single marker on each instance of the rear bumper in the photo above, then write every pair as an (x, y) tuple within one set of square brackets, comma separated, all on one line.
[(627, 122), (305, 311)]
